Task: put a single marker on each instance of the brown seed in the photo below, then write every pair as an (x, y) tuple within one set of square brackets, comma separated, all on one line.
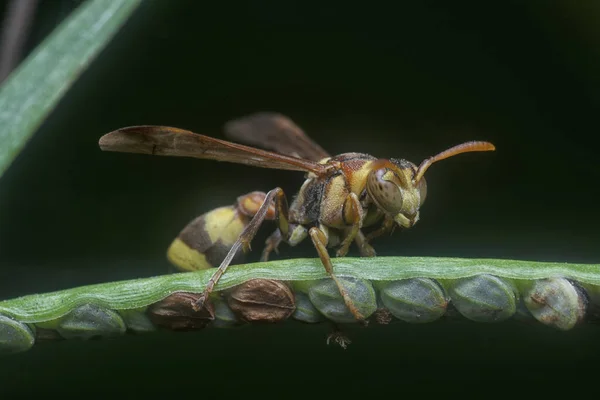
[(383, 316), (176, 312), (262, 300)]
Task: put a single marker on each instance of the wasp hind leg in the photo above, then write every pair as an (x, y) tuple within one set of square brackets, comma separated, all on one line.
[(246, 237)]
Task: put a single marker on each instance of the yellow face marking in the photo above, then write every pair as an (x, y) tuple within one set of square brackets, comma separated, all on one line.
[(224, 224), (186, 258)]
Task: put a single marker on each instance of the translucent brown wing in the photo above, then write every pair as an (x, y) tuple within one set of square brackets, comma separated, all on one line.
[(275, 132), (167, 141)]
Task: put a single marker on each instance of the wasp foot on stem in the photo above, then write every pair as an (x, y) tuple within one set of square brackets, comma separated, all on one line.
[(367, 250), (199, 304)]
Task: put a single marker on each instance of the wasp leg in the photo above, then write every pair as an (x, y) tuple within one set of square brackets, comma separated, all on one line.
[(247, 235), (366, 250), (353, 215), (386, 226), (296, 234), (320, 240), (272, 244)]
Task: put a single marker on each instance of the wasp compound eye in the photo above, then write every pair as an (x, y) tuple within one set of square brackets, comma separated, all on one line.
[(384, 191)]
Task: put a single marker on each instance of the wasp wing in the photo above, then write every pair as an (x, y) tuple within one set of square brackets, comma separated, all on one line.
[(275, 132), (167, 141)]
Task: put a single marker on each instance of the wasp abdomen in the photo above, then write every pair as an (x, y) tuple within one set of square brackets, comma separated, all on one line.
[(205, 241)]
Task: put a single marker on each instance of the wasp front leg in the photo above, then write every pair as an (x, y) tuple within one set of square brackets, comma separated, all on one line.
[(243, 241), (387, 225), (365, 249), (352, 214), (362, 241)]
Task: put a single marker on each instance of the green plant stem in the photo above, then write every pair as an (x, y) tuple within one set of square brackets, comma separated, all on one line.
[(142, 292)]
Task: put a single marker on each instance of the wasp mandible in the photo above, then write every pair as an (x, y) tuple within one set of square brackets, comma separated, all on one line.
[(341, 194)]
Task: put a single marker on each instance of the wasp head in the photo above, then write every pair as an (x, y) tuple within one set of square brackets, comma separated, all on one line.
[(398, 187), (391, 188)]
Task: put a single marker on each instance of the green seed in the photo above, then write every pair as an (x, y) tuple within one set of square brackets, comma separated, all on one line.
[(415, 300), (483, 298), (15, 336), (325, 296), (555, 302), (90, 321), (224, 316), (137, 321), (46, 335), (305, 310), (523, 314)]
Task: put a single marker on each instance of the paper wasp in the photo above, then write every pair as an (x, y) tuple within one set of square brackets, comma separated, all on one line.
[(341, 194)]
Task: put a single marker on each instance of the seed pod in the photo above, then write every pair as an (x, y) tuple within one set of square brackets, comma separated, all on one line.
[(326, 297), (224, 316), (305, 310), (555, 302), (593, 306), (91, 321), (15, 336), (47, 335), (137, 321), (176, 312), (262, 300), (415, 300), (483, 298), (522, 313)]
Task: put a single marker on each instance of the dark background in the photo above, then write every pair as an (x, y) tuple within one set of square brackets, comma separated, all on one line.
[(405, 81)]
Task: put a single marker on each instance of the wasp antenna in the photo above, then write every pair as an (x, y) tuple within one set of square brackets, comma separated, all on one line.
[(458, 149)]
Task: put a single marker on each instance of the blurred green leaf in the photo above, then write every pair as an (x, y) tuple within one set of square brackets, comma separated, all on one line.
[(32, 91)]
